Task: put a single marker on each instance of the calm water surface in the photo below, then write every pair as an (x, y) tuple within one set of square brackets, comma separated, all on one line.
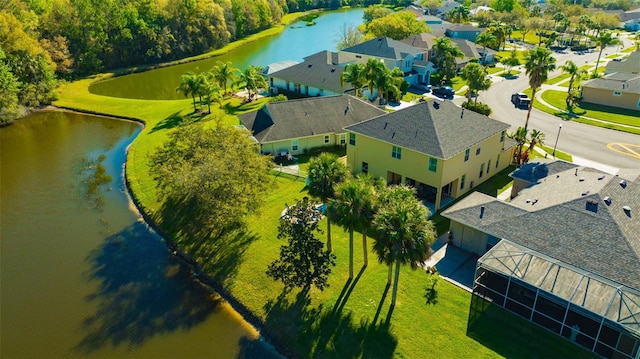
[(81, 280), (294, 43)]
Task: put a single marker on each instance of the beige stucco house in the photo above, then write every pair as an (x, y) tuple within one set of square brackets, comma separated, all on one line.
[(618, 89), (437, 147), (298, 125)]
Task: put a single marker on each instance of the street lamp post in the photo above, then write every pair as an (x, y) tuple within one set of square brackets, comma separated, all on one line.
[(556, 144)]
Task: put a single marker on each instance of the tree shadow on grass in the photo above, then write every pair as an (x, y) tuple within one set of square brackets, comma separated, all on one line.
[(319, 332), (176, 119), (236, 108), (142, 291)]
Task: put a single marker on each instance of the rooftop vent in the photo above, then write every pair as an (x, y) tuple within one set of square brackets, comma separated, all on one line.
[(575, 174), (333, 69), (481, 211), (393, 135), (585, 193), (601, 178), (627, 210), (623, 184), (581, 179), (385, 125), (462, 113), (592, 206), (309, 66), (528, 200), (607, 200), (436, 105)]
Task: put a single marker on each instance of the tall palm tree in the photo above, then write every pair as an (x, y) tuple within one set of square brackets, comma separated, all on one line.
[(325, 173), (389, 82), (346, 209), (485, 39), (604, 39), (224, 73), (458, 14), (538, 63), (373, 188), (189, 86), (405, 235), (476, 77), (520, 136), (373, 70), (572, 69), (354, 74)]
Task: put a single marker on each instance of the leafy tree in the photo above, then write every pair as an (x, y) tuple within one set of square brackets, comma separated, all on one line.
[(538, 63), (224, 73), (536, 137), (214, 175), (348, 36), (302, 262), (397, 25), (446, 53), (208, 90), (10, 107), (431, 5), (375, 12), (325, 173), (404, 233), (511, 61), (603, 40), (189, 85), (354, 74), (572, 69), (500, 33)]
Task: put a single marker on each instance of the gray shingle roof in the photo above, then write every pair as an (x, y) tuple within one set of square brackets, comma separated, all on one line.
[(277, 121), (384, 47), (467, 28), (422, 41), (559, 225), (317, 70), (438, 132), (630, 65), (616, 82), (536, 170)]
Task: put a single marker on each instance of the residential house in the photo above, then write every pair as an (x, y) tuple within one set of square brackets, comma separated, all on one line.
[(467, 32), (318, 75), (446, 6), (437, 147), (564, 253), (409, 59), (473, 51), (298, 125), (630, 65), (617, 89), (436, 25)]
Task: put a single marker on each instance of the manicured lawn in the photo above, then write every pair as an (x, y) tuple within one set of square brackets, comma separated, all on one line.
[(557, 79), (630, 49), (520, 54), (530, 37), (611, 114), (351, 318), (493, 70)]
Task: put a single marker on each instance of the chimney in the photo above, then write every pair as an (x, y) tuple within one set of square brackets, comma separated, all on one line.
[(481, 211)]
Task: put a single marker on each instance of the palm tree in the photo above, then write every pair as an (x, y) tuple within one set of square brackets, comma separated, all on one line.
[(572, 69), (346, 209), (458, 14), (354, 74), (373, 70), (500, 32), (404, 234), (520, 136), (485, 39), (389, 81), (189, 86), (536, 137), (373, 188), (224, 73), (538, 63), (325, 173), (446, 53), (252, 80), (604, 39), (557, 17), (476, 77)]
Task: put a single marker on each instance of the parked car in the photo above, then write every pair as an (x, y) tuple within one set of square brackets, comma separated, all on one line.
[(444, 92), (524, 103), (516, 97), (422, 88)]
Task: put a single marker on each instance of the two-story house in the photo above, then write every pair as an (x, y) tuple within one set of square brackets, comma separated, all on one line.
[(437, 147), (411, 60)]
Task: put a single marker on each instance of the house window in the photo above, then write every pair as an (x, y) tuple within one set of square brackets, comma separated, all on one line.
[(466, 154), (352, 138), (296, 87), (462, 179), (478, 149), (396, 152), (617, 93), (433, 164), (294, 145), (343, 138), (502, 136), (497, 161), (481, 170), (365, 167), (326, 139), (488, 166)]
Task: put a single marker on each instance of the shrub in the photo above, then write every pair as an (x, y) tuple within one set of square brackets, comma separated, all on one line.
[(478, 107)]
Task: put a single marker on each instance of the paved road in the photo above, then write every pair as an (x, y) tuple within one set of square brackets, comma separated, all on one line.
[(586, 141)]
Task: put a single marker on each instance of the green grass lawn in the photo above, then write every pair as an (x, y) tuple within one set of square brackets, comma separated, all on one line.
[(493, 70), (630, 49), (530, 37), (555, 80), (351, 318), (520, 54), (606, 113)]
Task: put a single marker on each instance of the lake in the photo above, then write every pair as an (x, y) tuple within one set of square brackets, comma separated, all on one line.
[(294, 43), (82, 275)]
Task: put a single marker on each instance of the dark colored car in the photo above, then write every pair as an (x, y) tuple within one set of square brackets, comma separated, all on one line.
[(524, 103), (444, 92), (422, 88), (516, 97)]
